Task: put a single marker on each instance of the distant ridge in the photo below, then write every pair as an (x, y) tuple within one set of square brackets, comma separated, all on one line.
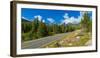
[(24, 20)]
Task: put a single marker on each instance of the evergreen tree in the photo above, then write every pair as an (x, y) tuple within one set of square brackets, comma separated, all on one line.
[(26, 26), (86, 22), (35, 25), (63, 27), (55, 29), (42, 30)]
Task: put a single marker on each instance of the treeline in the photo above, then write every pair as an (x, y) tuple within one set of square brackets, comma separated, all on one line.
[(38, 29)]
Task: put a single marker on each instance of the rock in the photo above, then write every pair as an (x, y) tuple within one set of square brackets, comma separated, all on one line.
[(70, 44), (77, 38), (61, 42)]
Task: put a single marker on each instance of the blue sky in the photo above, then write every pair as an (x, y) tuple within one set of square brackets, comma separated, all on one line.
[(53, 16)]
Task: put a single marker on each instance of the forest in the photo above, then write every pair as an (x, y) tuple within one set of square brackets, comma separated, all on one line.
[(37, 29)]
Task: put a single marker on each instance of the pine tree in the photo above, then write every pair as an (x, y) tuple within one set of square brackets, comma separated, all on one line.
[(55, 29), (63, 27), (86, 22), (42, 30), (35, 25)]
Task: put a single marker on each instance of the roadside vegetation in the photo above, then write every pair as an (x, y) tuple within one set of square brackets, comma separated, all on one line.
[(71, 40)]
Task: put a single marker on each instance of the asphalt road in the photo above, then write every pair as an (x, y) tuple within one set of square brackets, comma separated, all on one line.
[(42, 41)]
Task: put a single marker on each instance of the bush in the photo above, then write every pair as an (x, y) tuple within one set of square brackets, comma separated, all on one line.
[(25, 37), (51, 33)]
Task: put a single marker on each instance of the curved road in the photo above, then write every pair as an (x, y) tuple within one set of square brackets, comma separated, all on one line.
[(42, 41)]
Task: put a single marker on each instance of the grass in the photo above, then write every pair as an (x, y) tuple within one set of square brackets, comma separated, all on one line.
[(25, 36), (71, 39), (83, 39)]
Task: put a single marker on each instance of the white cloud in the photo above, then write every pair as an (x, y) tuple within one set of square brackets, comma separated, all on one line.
[(51, 20), (72, 19), (43, 20), (66, 16), (39, 17), (24, 18)]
